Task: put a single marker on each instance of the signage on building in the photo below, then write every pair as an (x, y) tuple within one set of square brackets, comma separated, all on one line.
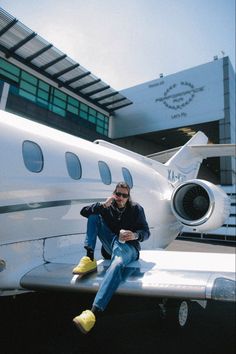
[(193, 96), (179, 95)]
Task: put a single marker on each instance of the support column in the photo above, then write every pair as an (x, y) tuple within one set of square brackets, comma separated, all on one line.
[(225, 129), (4, 96)]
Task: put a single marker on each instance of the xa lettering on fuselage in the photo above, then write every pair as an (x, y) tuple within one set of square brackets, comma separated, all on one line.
[(174, 176)]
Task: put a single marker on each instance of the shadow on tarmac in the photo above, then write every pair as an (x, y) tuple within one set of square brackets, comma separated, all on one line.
[(36, 323)]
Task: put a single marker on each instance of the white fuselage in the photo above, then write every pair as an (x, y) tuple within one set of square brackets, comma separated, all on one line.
[(40, 211)]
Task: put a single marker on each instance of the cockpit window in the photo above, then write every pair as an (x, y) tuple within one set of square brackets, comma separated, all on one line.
[(73, 165), (32, 156), (127, 177), (105, 172)]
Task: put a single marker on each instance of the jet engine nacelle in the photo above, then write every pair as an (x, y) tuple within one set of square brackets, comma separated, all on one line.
[(200, 205)]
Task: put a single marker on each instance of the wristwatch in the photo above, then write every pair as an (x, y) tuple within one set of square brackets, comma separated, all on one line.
[(136, 236)]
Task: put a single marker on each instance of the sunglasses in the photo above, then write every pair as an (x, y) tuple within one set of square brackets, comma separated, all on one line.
[(124, 195)]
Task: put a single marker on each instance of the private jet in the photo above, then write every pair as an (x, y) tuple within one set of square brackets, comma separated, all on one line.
[(47, 176)]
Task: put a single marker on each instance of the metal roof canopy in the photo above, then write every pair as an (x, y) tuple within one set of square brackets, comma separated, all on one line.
[(21, 43)]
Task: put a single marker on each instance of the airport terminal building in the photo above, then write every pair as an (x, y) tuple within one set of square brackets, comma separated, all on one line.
[(39, 82)]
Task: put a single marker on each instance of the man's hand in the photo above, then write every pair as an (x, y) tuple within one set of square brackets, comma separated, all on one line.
[(109, 201), (127, 235)]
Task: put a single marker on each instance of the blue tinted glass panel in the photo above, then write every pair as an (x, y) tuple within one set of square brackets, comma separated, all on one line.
[(73, 101), (105, 172), (84, 107), (59, 102), (27, 87), (100, 123), (43, 86), (92, 112), (32, 156), (127, 177), (9, 70), (27, 95), (72, 109), (73, 165), (60, 94), (58, 110), (83, 115), (100, 116), (27, 77), (99, 130), (92, 119), (43, 94)]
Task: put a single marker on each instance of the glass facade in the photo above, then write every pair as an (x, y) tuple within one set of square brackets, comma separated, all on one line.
[(41, 93)]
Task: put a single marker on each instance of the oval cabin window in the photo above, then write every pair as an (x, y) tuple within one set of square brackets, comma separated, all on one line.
[(73, 165), (32, 156), (127, 177), (105, 172)]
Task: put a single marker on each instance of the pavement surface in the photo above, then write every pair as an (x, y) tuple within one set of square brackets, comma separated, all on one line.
[(201, 246), (41, 323)]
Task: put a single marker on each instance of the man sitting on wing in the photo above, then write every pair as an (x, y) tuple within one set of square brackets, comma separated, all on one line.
[(120, 225)]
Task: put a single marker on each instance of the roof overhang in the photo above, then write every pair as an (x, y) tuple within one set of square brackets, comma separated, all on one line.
[(24, 45)]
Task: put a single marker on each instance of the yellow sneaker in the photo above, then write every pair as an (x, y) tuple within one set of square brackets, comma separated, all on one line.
[(86, 265), (85, 321)]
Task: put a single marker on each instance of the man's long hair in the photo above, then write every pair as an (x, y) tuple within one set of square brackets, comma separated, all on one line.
[(126, 186)]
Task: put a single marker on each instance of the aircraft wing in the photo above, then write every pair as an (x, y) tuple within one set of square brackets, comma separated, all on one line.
[(204, 150), (164, 274)]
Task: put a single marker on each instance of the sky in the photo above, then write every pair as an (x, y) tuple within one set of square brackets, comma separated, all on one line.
[(129, 42)]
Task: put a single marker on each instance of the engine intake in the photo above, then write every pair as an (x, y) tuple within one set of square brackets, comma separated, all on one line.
[(200, 205)]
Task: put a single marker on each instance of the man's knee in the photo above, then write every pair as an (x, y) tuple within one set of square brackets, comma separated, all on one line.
[(124, 254), (118, 256), (94, 218), (117, 262)]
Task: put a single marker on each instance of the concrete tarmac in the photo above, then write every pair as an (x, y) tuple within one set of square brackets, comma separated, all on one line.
[(201, 246), (41, 323)]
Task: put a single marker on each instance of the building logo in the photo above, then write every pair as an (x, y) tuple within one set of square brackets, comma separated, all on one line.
[(177, 96)]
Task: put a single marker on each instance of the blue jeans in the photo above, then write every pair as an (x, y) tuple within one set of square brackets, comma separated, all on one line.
[(121, 255)]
